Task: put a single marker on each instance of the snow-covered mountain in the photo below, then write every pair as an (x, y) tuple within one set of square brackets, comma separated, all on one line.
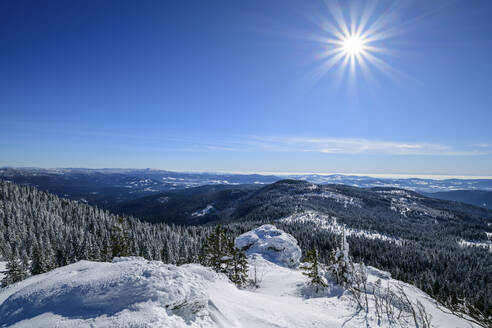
[(107, 187), (134, 292), (225, 203), (416, 184)]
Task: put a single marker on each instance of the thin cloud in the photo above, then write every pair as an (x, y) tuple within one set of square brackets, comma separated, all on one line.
[(482, 145), (304, 144), (361, 146)]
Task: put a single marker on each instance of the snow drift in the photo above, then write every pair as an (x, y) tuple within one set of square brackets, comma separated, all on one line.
[(129, 290), (273, 244)]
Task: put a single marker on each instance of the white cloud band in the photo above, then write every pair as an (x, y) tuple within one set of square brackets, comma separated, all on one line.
[(361, 146)]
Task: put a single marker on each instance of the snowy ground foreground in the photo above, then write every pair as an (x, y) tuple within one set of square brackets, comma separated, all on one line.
[(133, 292), (273, 244), (326, 222)]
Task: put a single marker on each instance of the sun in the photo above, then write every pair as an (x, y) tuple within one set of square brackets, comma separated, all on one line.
[(356, 40), (353, 45)]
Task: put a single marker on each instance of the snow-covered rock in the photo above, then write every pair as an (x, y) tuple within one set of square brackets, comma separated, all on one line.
[(132, 290), (272, 244)]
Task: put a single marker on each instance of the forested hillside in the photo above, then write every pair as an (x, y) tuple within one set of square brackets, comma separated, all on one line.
[(38, 224), (391, 211), (481, 198)]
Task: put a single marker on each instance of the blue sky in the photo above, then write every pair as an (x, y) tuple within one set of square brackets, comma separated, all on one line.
[(243, 86)]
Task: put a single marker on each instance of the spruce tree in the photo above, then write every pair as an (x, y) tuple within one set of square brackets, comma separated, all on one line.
[(16, 271), (219, 253), (215, 251), (106, 250), (238, 266), (40, 262), (312, 270), (120, 241), (341, 266)]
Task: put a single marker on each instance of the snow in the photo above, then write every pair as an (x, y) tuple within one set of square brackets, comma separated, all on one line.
[(134, 292), (163, 200), (221, 182), (337, 197), (328, 223), (209, 208), (407, 204), (3, 267), (273, 244), (469, 243), (130, 290), (396, 192), (142, 182)]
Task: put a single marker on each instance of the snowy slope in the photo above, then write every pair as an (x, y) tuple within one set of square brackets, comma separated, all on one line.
[(325, 222), (203, 211), (129, 290), (134, 292)]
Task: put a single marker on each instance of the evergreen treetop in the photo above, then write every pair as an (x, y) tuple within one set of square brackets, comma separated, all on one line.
[(312, 269)]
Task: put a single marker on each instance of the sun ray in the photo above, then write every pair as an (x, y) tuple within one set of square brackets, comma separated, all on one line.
[(357, 40), (341, 23), (366, 14)]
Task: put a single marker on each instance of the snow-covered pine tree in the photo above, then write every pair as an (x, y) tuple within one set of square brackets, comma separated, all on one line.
[(219, 253), (237, 270), (341, 266), (16, 271), (120, 241), (41, 261), (313, 270), (106, 250), (215, 251)]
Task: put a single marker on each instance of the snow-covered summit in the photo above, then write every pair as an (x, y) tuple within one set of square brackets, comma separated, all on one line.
[(272, 244), (131, 290), (134, 292)]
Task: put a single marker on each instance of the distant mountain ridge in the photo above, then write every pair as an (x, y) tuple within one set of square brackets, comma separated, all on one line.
[(382, 209), (482, 198), (107, 187)]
